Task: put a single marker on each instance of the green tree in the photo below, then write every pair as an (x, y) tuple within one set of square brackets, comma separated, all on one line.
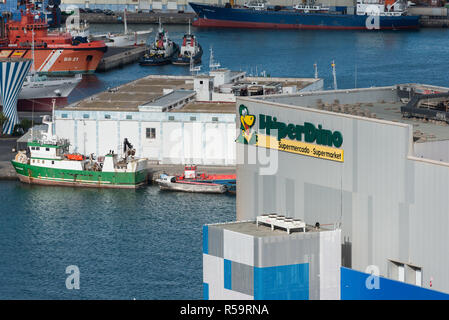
[(3, 119), (26, 124)]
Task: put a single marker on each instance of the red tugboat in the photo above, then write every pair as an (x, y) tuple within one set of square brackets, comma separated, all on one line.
[(55, 53)]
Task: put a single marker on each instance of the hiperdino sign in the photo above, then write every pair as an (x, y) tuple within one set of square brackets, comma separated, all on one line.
[(306, 139)]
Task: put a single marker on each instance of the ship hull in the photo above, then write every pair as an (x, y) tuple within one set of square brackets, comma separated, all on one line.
[(40, 104), (185, 61), (77, 178), (60, 61), (215, 16), (157, 60), (194, 187)]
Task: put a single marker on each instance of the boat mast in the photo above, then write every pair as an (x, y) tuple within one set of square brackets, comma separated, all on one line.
[(334, 74), (32, 51), (315, 66), (212, 64), (53, 117), (124, 19)]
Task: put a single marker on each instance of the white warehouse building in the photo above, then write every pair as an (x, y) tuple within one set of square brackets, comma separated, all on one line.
[(169, 119)]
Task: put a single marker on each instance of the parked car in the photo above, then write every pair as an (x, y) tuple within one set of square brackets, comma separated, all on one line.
[(97, 11), (108, 12), (88, 10), (81, 10)]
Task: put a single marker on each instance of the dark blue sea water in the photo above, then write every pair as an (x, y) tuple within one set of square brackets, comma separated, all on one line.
[(146, 244), (142, 244), (362, 58)]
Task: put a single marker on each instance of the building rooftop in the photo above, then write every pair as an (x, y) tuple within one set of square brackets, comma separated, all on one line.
[(129, 96), (285, 82), (168, 99), (207, 107), (383, 103), (250, 228), (150, 94)]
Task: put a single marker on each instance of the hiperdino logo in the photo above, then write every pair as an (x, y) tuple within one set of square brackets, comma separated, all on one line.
[(305, 139), (308, 131), (246, 123)]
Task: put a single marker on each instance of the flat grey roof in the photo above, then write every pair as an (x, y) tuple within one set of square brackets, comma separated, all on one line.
[(170, 98), (391, 111), (129, 96), (250, 228), (377, 103)]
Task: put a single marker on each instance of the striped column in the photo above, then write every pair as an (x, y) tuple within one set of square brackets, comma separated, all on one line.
[(12, 75)]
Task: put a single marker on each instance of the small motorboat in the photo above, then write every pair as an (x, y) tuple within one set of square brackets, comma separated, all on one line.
[(162, 50), (166, 182)]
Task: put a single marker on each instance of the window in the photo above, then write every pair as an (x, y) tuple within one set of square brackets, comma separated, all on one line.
[(151, 133), (33, 148), (192, 118), (85, 116), (171, 118), (47, 149), (201, 82), (107, 116), (64, 116), (52, 162), (414, 275), (396, 270), (89, 58), (129, 117), (38, 148), (214, 118)]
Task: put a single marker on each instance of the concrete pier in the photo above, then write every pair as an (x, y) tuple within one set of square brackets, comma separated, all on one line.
[(140, 18), (7, 171), (118, 57), (429, 22)]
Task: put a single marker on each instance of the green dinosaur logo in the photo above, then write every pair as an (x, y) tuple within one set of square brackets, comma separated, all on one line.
[(247, 121)]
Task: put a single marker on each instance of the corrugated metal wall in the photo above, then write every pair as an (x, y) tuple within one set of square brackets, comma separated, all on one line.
[(390, 207), (296, 266)]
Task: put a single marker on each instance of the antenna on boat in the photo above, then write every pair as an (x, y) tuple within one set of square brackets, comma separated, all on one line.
[(124, 20), (212, 64), (53, 116), (160, 25), (194, 68), (32, 50), (189, 26), (315, 66), (334, 74)]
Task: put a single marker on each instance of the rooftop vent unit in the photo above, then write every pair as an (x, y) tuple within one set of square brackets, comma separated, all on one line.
[(282, 222)]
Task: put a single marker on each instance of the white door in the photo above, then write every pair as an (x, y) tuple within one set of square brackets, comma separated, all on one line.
[(401, 273), (418, 277)]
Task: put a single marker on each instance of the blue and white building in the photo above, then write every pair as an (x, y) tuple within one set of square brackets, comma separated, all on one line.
[(373, 163)]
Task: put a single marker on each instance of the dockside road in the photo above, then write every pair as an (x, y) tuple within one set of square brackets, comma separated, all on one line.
[(138, 18), (7, 171)]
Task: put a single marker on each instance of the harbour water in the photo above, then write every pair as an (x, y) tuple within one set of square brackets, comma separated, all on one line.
[(146, 244), (362, 58), (127, 244)]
